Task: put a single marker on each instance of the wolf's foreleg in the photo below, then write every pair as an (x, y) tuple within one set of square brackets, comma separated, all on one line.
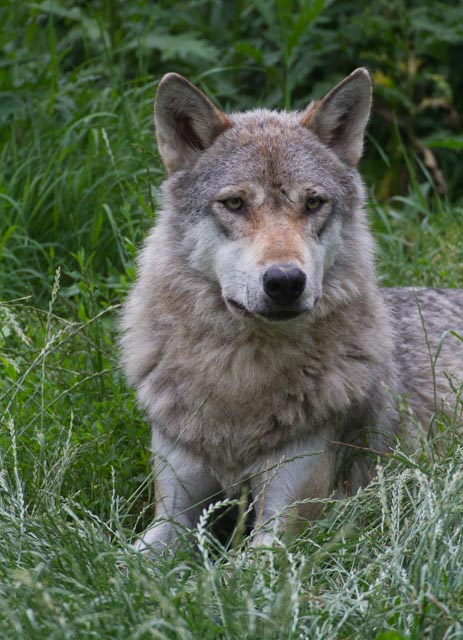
[(287, 491), (182, 487)]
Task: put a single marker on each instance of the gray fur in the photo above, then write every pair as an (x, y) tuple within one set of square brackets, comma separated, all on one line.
[(234, 397)]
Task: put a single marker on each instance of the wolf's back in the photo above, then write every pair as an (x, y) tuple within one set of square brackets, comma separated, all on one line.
[(428, 328)]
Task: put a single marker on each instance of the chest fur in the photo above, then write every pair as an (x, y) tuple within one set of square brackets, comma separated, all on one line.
[(233, 401)]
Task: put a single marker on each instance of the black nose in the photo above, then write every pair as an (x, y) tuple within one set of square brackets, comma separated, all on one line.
[(284, 283)]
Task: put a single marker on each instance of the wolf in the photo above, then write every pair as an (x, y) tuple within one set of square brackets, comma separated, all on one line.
[(261, 346)]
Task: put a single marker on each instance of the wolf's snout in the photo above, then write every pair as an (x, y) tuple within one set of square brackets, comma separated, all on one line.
[(284, 283)]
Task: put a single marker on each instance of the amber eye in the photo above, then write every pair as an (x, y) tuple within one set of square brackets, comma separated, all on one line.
[(313, 203), (234, 203)]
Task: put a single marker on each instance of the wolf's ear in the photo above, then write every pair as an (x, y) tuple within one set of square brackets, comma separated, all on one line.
[(186, 121), (339, 119)]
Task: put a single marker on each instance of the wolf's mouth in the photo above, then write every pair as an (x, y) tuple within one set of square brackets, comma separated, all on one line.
[(278, 316), (237, 306), (272, 316)]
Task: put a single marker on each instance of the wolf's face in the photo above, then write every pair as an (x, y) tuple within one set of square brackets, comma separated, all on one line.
[(263, 196)]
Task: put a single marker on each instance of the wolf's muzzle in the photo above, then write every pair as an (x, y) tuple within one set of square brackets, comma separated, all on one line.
[(284, 283)]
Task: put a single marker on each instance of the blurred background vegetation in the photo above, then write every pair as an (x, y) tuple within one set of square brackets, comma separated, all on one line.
[(79, 170)]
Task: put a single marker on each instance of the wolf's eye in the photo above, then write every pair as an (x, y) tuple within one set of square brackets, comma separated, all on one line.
[(313, 203), (234, 203)]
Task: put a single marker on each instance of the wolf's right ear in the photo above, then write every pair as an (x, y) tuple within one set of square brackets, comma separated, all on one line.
[(186, 121)]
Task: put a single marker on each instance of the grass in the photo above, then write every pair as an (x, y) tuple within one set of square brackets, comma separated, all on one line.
[(78, 190)]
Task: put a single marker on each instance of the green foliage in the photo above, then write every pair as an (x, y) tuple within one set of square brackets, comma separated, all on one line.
[(78, 189), (67, 418)]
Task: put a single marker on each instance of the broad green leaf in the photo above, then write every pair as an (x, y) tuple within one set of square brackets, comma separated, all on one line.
[(454, 142), (172, 46)]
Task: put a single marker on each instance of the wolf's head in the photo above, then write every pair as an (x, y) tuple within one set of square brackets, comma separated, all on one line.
[(261, 202)]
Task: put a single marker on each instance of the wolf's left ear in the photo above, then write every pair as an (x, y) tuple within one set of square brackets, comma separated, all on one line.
[(340, 118), (186, 121)]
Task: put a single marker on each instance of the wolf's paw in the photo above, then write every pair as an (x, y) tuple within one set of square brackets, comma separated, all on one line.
[(264, 540)]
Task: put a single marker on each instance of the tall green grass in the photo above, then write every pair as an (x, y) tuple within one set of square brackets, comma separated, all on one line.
[(79, 176), (76, 190)]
